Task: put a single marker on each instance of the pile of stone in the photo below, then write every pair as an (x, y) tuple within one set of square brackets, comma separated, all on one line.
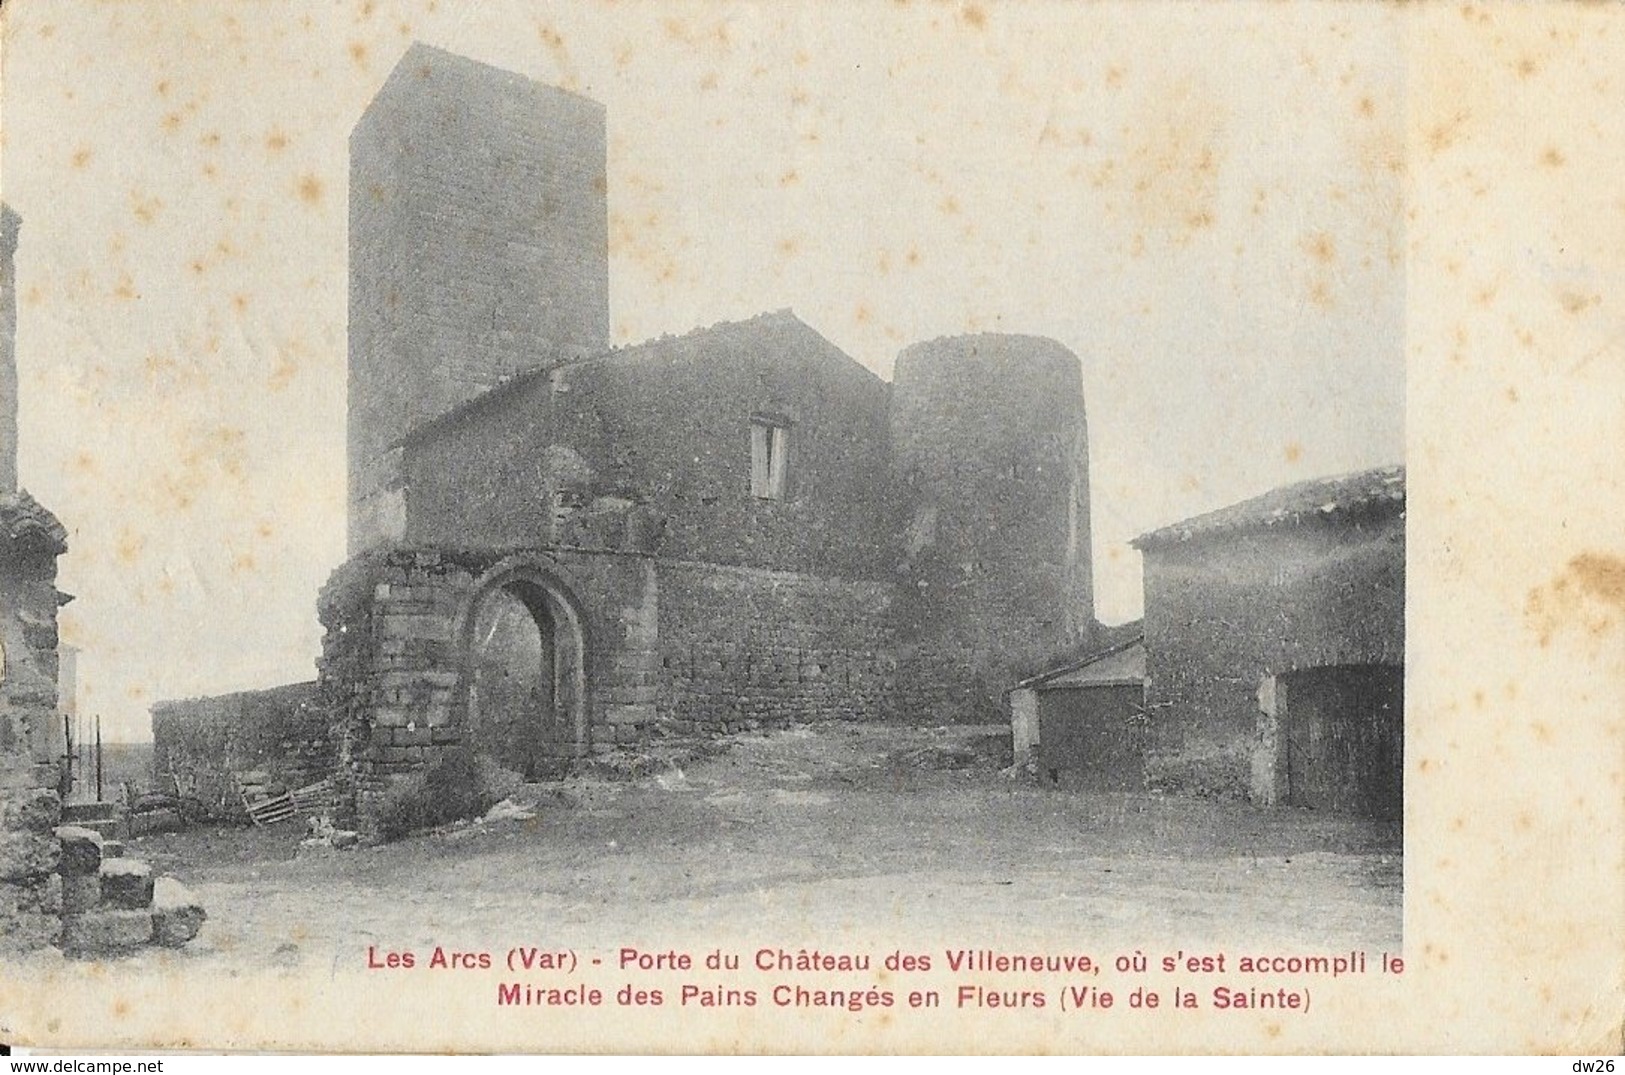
[(111, 903), (257, 785), (324, 835)]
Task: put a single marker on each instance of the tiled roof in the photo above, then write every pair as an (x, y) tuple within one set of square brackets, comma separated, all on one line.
[(757, 326), (23, 521), (1378, 491)]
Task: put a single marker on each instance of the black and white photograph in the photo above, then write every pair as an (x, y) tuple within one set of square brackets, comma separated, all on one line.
[(869, 527)]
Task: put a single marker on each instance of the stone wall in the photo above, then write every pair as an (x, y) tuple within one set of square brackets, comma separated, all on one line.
[(991, 456), (396, 656), (1224, 612), (478, 249), (680, 647), (31, 539), (742, 645), (200, 743)]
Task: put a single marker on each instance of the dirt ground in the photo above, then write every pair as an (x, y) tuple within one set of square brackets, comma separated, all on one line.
[(807, 836)]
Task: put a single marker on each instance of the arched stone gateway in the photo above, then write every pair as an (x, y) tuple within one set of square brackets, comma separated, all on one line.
[(522, 685)]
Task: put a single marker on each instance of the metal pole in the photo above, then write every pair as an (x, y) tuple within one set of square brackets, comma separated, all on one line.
[(98, 757), (65, 780)]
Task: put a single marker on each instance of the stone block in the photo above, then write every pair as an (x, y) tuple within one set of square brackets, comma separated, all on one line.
[(29, 810), (106, 931), (176, 913), (25, 855), (22, 902), (81, 892), (111, 848), (126, 883)]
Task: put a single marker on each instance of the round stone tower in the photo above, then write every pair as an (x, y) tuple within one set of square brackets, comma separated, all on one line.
[(991, 453)]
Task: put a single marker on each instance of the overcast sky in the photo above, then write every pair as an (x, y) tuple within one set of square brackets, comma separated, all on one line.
[(1203, 202)]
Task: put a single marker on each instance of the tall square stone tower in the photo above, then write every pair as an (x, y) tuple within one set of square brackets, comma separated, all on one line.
[(479, 249)]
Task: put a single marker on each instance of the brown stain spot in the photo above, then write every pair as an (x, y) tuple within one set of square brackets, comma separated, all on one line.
[(1512, 394), (171, 122), (81, 157), (129, 547), (125, 289), (283, 373), (310, 189), (1292, 452), (1523, 821), (789, 178), (239, 302), (1553, 157), (912, 258), (163, 88), (1176, 147), (1320, 294), (1442, 135), (1458, 823), (1602, 575), (949, 206), (1424, 765), (1367, 107), (276, 141), (358, 54), (708, 81), (974, 16), (1114, 77), (1588, 594), (121, 1007), (863, 315), (1526, 66), (1272, 1030), (146, 210), (1321, 247), (243, 561), (1576, 303), (1478, 699)]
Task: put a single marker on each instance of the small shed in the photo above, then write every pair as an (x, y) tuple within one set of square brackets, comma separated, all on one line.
[(1085, 721)]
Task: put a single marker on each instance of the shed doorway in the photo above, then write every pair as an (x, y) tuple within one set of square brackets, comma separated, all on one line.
[(1342, 738), (521, 685)]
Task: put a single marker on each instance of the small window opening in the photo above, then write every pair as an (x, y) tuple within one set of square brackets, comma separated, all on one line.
[(769, 451)]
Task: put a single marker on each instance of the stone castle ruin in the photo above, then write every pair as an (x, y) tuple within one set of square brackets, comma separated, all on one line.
[(559, 547)]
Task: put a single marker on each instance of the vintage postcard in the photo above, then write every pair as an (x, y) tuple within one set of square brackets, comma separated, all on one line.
[(790, 527)]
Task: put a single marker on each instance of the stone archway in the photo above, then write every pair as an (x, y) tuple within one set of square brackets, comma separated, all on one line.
[(523, 683)]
